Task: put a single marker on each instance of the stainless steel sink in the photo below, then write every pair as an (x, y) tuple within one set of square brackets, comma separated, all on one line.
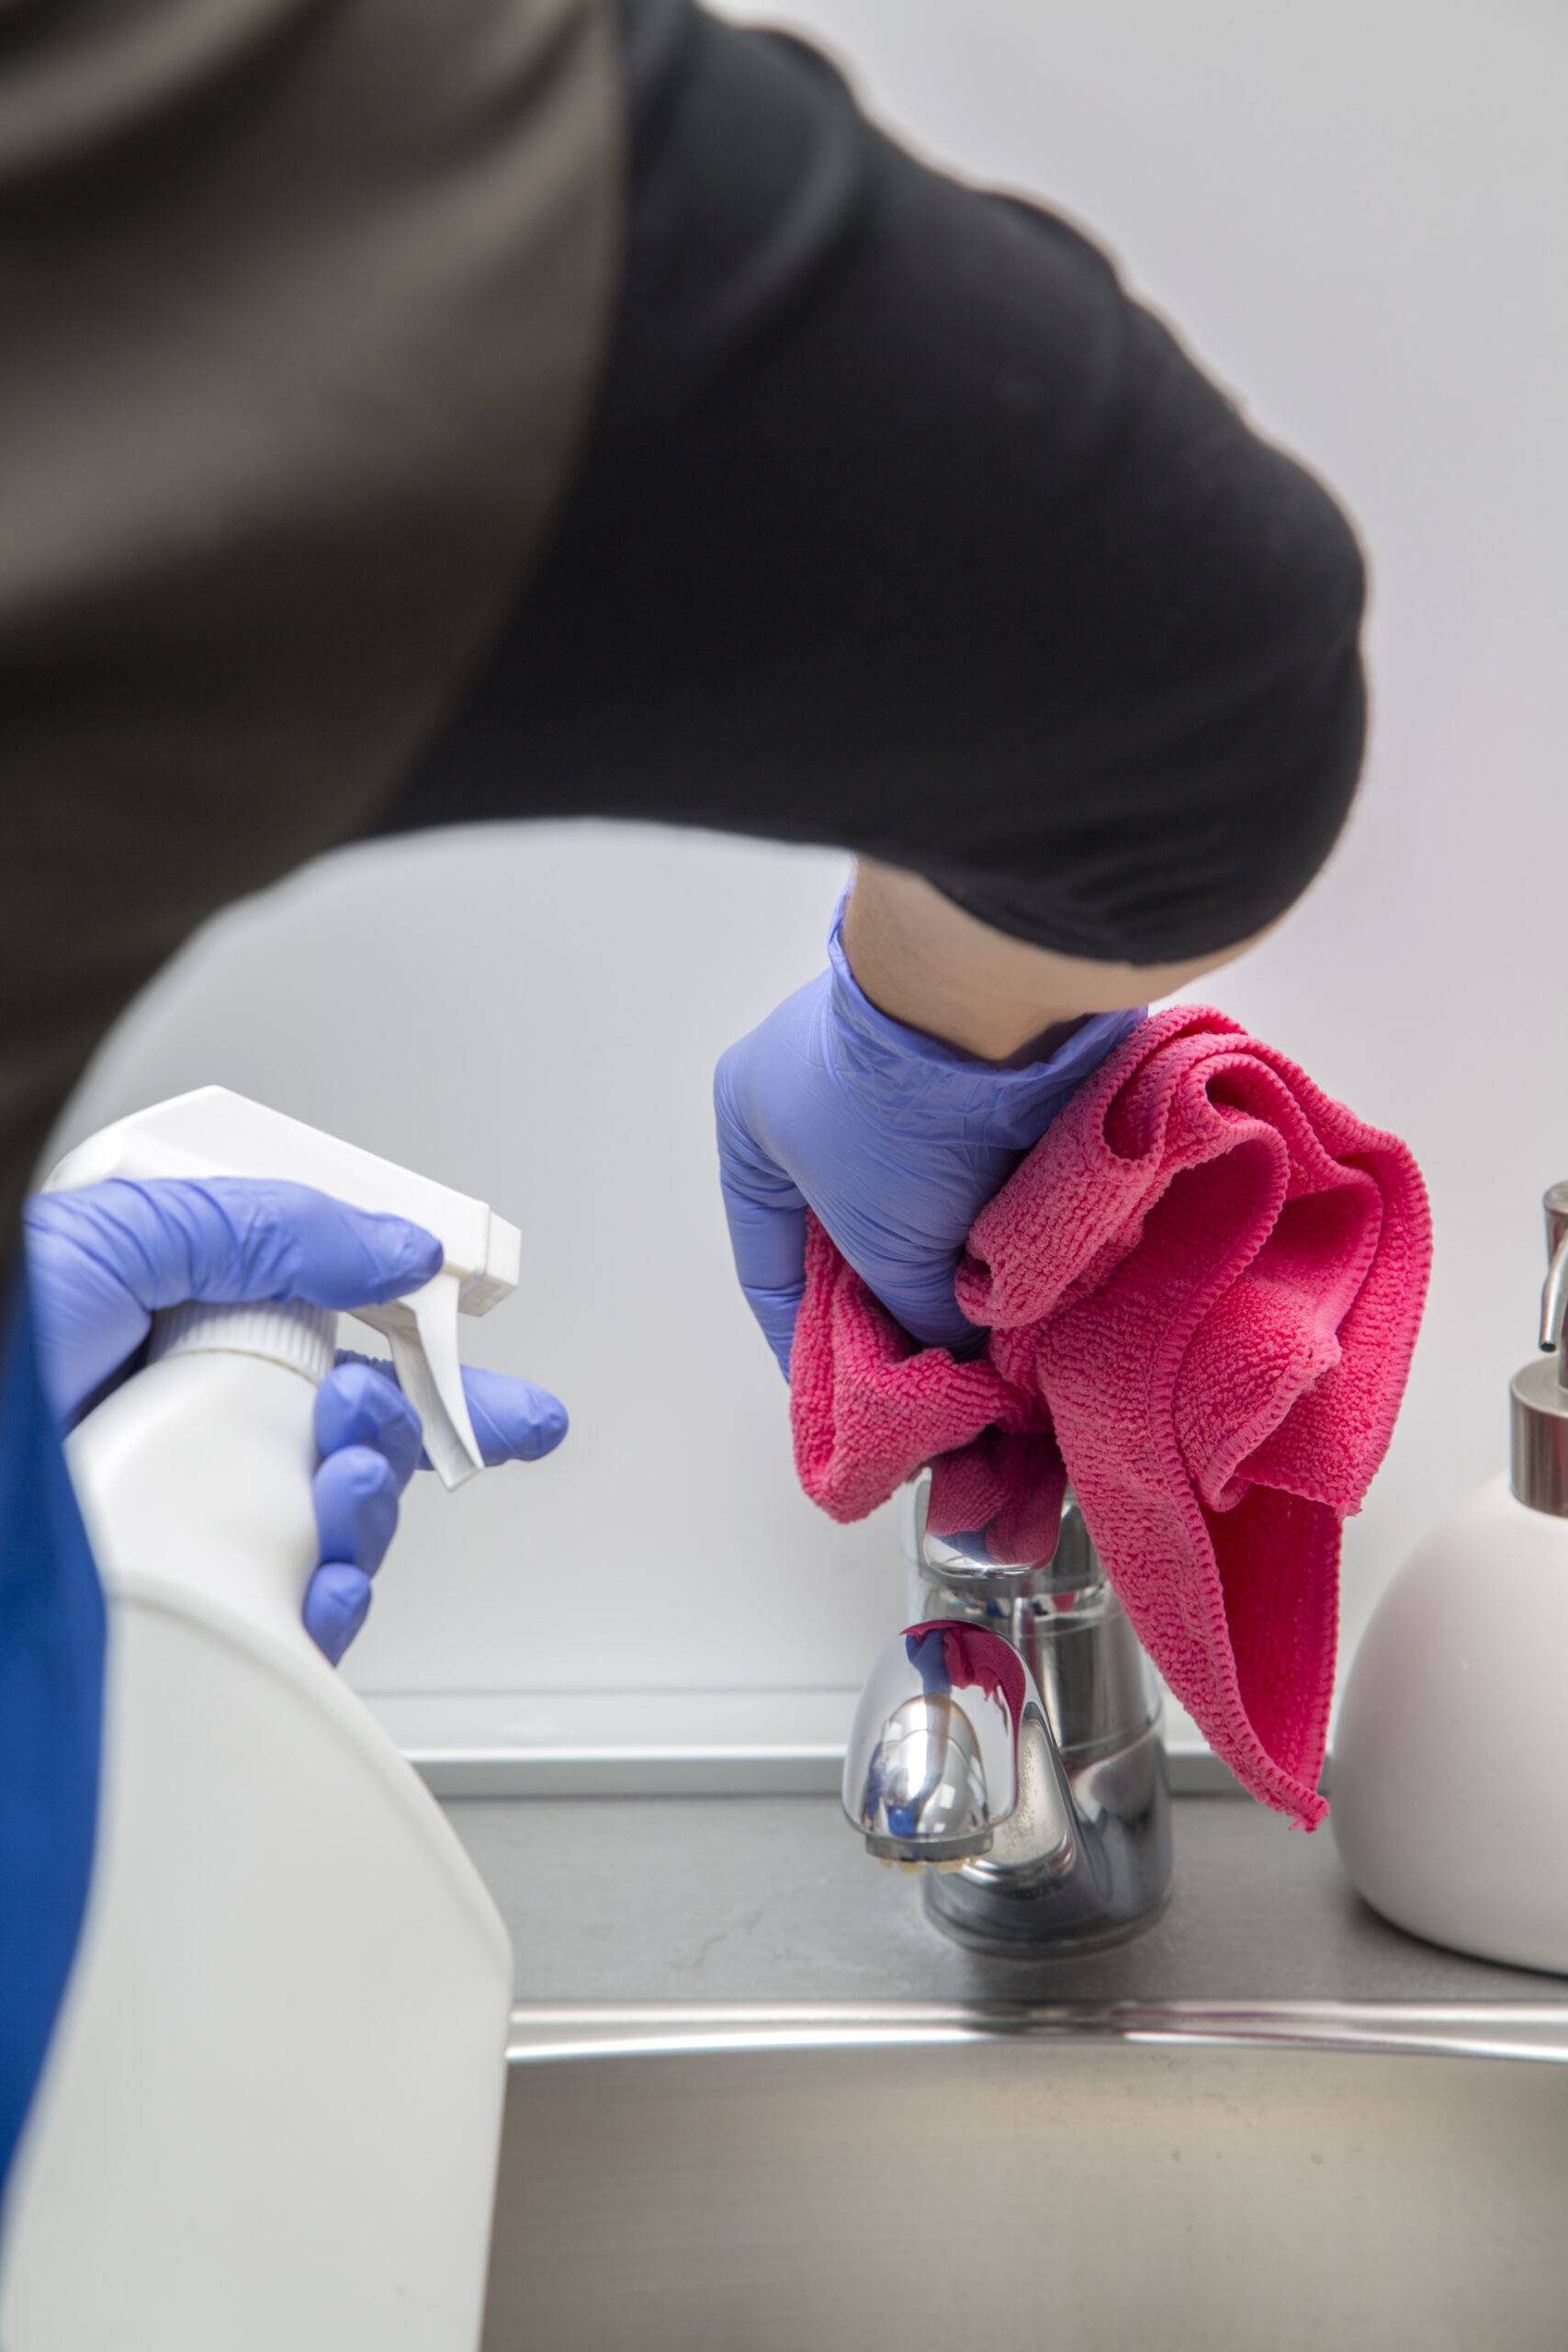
[(755, 2103)]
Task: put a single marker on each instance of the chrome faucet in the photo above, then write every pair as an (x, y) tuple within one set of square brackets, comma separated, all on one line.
[(1008, 1744)]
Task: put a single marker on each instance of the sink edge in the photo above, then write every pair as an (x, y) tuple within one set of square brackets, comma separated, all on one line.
[(543, 2033)]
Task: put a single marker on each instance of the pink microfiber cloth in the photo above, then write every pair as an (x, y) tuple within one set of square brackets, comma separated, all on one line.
[(1201, 1291)]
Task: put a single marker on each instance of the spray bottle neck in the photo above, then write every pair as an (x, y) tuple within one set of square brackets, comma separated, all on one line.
[(302, 1338)]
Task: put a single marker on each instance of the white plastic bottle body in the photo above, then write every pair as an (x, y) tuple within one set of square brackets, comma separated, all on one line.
[(1450, 1778), (272, 2110), (197, 1475)]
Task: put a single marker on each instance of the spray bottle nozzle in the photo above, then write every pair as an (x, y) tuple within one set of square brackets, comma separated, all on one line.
[(212, 1132)]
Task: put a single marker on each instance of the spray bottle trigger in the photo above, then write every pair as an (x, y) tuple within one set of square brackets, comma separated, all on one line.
[(422, 1329)]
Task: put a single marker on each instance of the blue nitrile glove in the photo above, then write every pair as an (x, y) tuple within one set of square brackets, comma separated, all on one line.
[(370, 1438), (895, 1141), (102, 1259)]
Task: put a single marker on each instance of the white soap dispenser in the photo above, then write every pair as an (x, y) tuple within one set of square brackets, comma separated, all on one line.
[(1449, 1770), (271, 2114)]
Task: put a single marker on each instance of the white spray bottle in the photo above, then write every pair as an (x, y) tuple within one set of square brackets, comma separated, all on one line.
[(271, 2114)]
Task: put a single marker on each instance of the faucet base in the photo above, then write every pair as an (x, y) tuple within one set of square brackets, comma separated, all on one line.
[(1030, 1943), (1098, 1889)]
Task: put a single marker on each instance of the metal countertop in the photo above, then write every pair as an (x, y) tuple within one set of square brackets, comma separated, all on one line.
[(772, 1899)]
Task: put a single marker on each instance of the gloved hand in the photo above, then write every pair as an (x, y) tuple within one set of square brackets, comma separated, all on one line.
[(895, 1142), (102, 1259)]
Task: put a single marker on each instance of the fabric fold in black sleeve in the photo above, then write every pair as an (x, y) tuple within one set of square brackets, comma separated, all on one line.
[(900, 526)]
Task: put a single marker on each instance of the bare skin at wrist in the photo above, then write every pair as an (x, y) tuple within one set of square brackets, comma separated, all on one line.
[(926, 962)]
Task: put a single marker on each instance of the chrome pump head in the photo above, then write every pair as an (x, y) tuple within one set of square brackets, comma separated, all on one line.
[(1539, 1393)]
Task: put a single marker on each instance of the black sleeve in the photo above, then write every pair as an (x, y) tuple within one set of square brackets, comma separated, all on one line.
[(900, 526)]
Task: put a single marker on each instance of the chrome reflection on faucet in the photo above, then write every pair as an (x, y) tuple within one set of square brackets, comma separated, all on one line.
[(939, 1774), (1008, 1741)]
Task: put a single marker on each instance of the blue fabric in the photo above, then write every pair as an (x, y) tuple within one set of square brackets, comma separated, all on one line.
[(51, 1670), (893, 1140)]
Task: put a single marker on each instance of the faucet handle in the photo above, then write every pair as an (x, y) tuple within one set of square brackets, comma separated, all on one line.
[(931, 1769)]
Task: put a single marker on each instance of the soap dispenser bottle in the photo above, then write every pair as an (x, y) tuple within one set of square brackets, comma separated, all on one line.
[(1450, 1767), (271, 2114)]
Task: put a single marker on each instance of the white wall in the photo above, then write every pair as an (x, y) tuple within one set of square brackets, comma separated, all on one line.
[(1355, 212)]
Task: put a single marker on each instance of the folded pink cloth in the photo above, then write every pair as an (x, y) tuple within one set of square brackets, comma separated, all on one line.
[(1202, 1288)]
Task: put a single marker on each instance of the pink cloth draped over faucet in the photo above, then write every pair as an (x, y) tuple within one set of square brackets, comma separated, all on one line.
[(1202, 1290)]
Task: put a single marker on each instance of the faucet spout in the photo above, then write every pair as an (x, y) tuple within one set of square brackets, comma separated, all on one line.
[(949, 1741)]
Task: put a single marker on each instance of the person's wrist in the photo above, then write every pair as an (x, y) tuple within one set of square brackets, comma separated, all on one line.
[(1006, 1095), (928, 964), (898, 1043)]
